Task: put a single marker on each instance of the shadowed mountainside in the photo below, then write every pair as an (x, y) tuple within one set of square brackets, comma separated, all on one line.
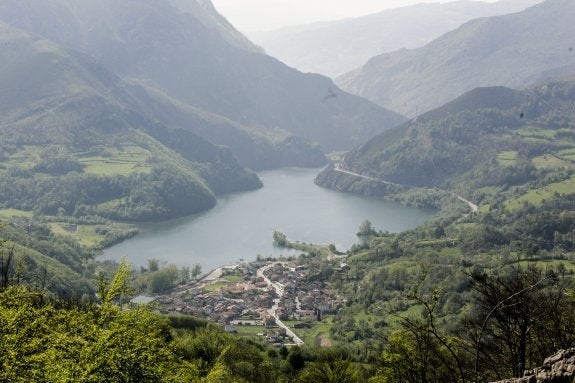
[(186, 58)]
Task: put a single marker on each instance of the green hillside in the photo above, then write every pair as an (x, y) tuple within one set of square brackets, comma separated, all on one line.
[(487, 138), (448, 299), (71, 143)]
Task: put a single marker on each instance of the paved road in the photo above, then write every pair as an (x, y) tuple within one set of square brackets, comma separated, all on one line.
[(471, 205), (337, 169), (279, 288)]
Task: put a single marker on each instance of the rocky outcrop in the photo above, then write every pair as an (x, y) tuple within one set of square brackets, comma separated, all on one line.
[(559, 368)]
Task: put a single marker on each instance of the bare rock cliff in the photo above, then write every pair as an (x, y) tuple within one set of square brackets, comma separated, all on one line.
[(559, 368)]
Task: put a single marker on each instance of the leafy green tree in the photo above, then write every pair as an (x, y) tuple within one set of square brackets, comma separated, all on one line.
[(220, 373), (330, 371), (196, 271), (6, 265), (163, 279), (153, 265), (118, 289), (415, 355), (366, 229), (279, 239), (42, 342), (295, 358)]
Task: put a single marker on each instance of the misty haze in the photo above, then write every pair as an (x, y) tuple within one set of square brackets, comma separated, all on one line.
[(286, 191)]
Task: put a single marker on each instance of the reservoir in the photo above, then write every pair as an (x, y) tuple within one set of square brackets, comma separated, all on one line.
[(241, 225)]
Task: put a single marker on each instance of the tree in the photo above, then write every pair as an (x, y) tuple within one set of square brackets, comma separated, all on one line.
[(196, 271), (519, 316), (330, 371), (6, 265), (409, 357), (366, 229), (421, 351), (280, 239), (163, 279), (153, 265), (295, 358), (185, 274), (118, 288), (45, 341)]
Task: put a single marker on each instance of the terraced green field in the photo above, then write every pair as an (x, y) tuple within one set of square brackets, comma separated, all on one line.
[(549, 161), (536, 196), (507, 158), (86, 235), (14, 213), (25, 158), (250, 330), (215, 286), (537, 133), (567, 154), (124, 161), (313, 335), (544, 264)]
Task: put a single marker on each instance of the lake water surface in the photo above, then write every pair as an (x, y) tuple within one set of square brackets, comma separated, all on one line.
[(241, 225)]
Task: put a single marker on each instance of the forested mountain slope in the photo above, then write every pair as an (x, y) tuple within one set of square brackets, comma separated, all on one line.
[(507, 50), (467, 292), (335, 47), (185, 57), (72, 139), (489, 137)]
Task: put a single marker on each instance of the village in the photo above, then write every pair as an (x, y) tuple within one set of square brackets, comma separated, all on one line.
[(272, 300)]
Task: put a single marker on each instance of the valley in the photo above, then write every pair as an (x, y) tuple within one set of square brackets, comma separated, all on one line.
[(176, 205)]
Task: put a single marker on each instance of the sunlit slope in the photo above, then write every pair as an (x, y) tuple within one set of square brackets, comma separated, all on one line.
[(487, 141)]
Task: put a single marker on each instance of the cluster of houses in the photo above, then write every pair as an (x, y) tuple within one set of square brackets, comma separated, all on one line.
[(226, 304), (301, 299), (250, 300)]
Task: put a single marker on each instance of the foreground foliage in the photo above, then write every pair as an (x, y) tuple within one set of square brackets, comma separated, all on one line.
[(46, 340)]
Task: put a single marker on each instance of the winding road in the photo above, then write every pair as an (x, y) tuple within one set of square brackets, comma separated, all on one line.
[(279, 288), (471, 205)]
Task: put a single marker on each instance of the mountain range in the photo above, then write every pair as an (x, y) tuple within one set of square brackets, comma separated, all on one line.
[(188, 56), (336, 47), (512, 50)]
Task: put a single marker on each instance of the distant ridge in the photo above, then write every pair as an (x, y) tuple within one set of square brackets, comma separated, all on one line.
[(336, 47), (510, 50)]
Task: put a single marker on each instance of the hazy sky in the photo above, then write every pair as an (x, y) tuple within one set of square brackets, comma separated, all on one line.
[(254, 15)]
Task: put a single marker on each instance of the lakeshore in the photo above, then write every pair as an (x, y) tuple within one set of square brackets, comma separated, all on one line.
[(241, 225)]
